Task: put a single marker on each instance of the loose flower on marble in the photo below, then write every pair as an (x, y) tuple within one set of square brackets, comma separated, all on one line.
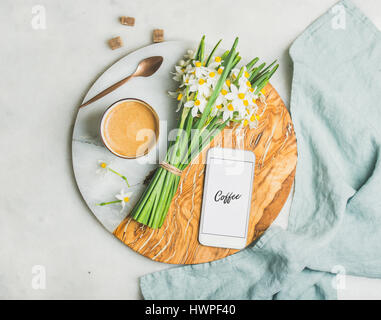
[(123, 198), (104, 167)]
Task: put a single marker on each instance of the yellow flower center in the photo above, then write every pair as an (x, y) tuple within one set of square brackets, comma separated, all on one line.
[(198, 64), (247, 110), (252, 118), (197, 102), (179, 97), (230, 107), (247, 74), (248, 83), (219, 106), (254, 100), (224, 92), (251, 89), (228, 83), (257, 117), (245, 103), (103, 165), (212, 74), (241, 95), (126, 199), (201, 82), (263, 91), (217, 59), (220, 70), (245, 123), (187, 81)]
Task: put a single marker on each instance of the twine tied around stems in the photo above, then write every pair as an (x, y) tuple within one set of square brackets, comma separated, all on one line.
[(171, 168)]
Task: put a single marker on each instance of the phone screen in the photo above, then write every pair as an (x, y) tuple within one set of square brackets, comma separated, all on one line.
[(227, 197)]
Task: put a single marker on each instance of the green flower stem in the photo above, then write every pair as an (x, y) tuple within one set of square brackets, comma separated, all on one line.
[(225, 54), (256, 71), (120, 175), (200, 49), (110, 202), (137, 211), (267, 68), (251, 64), (211, 53)]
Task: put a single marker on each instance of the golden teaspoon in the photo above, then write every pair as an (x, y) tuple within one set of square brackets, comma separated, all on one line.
[(146, 68)]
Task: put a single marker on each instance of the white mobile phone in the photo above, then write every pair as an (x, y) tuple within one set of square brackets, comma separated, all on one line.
[(227, 198)]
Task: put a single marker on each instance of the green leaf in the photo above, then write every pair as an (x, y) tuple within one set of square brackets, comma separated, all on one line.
[(264, 71), (251, 64), (269, 66), (261, 84), (259, 80), (211, 53), (198, 52), (273, 71), (239, 75), (225, 54), (256, 71)]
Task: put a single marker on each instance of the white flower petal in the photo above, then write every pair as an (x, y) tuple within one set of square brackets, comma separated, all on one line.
[(233, 88), (230, 96), (189, 104), (194, 111)]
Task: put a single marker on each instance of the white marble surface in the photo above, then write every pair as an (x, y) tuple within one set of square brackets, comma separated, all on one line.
[(45, 75), (88, 149)]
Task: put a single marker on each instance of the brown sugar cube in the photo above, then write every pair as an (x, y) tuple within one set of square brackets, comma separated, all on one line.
[(128, 21), (115, 43), (158, 35)]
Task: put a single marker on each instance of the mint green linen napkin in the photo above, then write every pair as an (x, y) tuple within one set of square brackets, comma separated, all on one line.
[(335, 219)]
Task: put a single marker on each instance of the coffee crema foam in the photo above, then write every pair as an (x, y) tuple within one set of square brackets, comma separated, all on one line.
[(130, 128)]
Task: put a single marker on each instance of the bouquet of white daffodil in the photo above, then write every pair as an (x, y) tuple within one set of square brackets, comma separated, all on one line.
[(213, 92)]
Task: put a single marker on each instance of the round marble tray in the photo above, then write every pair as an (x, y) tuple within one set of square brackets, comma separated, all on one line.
[(273, 142)]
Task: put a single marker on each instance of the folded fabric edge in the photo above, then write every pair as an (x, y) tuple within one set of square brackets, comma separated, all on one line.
[(321, 20)]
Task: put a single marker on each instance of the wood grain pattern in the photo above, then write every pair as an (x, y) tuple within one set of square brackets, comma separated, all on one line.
[(274, 145)]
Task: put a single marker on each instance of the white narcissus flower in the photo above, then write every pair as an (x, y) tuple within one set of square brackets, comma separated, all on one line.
[(180, 71), (220, 103), (212, 78), (187, 79), (201, 86), (124, 198), (245, 83), (215, 62), (238, 98), (234, 73), (189, 55), (198, 70), (236, 101), (228, 112), (180, 97), (102, 168), (220, 69), (251, 119), (196, 105)]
